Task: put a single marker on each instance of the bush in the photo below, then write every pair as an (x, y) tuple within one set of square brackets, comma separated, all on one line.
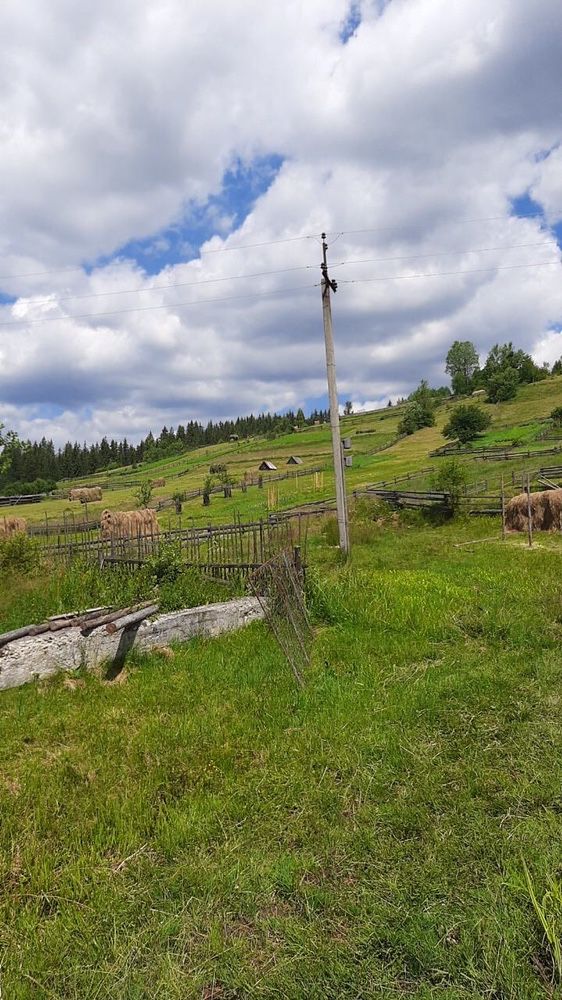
[(466, 423), (502, 385), (416, 416), (556, 416), (143, 495), (167, 564), (451, 478), (20, 553)]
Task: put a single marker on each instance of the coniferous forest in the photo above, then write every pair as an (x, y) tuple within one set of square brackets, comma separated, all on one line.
[(38, 466)]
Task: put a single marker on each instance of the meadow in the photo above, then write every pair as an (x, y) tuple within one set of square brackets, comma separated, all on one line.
[(199, 828), (369, 432)]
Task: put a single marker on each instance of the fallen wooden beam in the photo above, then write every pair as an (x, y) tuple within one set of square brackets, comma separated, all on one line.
[(131, 619)]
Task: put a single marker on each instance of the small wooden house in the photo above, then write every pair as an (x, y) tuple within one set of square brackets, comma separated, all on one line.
[(294, 460), (267, 466)]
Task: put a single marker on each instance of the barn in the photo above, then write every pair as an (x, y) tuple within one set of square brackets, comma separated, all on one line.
[(267, 466), (294, 460)]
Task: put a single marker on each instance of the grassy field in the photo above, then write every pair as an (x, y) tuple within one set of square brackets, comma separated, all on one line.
[(200, 828), (533, 403)]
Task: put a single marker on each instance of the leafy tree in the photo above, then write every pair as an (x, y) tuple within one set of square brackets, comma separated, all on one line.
[(556, 416), (502, 385), (420, 411), (557, 367), (9, 442), (462, 364), (451, 478), (466, 423), (415, 417), (143, 495), (503, 357), (348, 408)]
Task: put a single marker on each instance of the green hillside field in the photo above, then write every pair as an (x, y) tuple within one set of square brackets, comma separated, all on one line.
[(518, 419), (200, 828)]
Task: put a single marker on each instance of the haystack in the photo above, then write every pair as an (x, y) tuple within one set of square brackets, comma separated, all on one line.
[(546, 511), (12, 526), (85, 494), (128, 523)]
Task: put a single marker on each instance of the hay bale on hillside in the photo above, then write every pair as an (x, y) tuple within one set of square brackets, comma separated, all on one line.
[(12, 526), (546, 511), (128, 523), (85, 494)]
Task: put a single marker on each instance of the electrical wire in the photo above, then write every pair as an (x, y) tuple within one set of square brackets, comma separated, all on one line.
[(285, 270), (443, 274), (166, 305), (280, 291), (289, 239)]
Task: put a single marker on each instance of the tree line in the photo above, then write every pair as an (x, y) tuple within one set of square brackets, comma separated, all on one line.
[(35, 467), (505, 370)]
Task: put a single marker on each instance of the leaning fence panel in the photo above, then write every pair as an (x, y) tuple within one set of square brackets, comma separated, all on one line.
[(278, 585)]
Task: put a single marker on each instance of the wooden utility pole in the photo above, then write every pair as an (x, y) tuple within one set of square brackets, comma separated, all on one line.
[(341, 500)]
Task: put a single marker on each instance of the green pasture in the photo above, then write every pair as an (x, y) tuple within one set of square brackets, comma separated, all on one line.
[(200, 828)]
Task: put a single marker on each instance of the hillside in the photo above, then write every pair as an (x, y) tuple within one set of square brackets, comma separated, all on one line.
[(370, 432)]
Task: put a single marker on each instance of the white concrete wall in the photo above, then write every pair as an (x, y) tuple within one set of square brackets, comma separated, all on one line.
[(37, 656)]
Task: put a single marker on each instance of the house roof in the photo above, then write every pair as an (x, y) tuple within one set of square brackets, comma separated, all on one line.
[(267, 465), (294, 460)]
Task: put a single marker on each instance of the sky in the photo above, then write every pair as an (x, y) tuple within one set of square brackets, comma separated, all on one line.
[(166, 170)]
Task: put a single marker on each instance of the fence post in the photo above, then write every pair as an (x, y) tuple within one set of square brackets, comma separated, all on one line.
[(503, 510), (529, 515)]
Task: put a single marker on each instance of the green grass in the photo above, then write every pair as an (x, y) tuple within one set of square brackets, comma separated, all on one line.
[(205, 829), (31, 597), (533, 403)]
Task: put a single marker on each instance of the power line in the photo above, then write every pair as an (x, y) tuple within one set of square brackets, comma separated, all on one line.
[(388, 229), (285, 270), (166, 305), (202, 253), (440, 253), (279, 291), (443, 274), (289, 239)]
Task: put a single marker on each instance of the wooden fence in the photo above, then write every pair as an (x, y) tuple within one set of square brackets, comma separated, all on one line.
[(222, 551), (433, 499)]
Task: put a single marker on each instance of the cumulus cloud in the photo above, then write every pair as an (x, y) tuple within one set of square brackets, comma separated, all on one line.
[(411, 140)]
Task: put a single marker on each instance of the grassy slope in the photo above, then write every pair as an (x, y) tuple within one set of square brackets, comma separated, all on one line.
[(313, 445), (205, 830)]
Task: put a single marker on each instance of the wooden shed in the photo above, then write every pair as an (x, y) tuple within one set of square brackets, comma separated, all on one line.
[(267, 466), (294, 460)]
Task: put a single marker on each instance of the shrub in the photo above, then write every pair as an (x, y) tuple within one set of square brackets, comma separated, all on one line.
[(451, 478), (19, 552), (502, 385), (143, 495), (466, 423), (556, 416)]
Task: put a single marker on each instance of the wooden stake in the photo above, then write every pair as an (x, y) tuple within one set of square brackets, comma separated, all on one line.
[(503, 510), (529, 514)]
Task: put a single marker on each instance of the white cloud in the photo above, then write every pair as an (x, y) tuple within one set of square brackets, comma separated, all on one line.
[(116, 119)]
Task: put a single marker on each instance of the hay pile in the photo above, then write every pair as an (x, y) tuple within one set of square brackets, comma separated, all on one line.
[(157, 483), (12, 526), (128, 523), (546, 511), (85, 494)]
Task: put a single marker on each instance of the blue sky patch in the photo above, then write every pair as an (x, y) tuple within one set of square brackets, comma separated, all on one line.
[(221, 214), (351, 23)]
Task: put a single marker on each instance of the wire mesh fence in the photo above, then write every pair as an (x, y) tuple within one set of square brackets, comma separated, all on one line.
[(279, 586)]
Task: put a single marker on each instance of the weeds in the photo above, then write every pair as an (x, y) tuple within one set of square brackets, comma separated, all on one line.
[(549, 914)]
